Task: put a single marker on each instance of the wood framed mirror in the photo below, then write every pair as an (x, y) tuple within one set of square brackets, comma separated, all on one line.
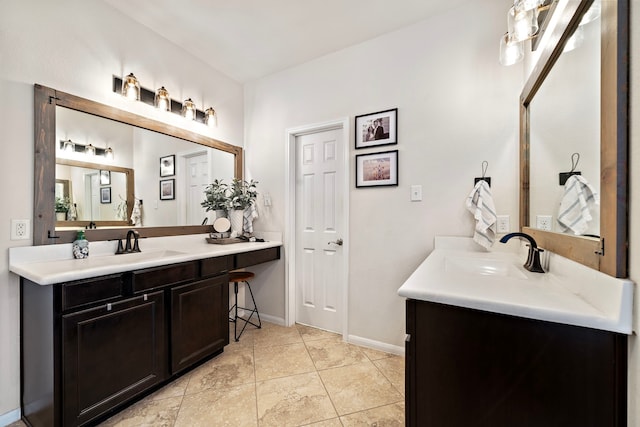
[(606, 251), (47, 101)]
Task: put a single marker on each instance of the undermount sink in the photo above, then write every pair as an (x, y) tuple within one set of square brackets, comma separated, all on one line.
[(483, 266)]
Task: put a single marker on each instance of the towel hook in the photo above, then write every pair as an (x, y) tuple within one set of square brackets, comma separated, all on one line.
[(484, 177), (575, 158), (564, 176)]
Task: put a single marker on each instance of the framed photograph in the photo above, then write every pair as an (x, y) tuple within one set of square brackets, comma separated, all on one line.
[(377, 169), (167, 189), (105, 177), (167, 165), (105, 195), (376, 129)]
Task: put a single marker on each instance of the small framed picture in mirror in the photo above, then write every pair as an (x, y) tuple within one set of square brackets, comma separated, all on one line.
[(167, 189), (105, 195), (167, 166), (105, 177)]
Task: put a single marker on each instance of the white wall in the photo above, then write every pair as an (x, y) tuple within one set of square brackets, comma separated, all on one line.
[(456, 107), (76, 46)]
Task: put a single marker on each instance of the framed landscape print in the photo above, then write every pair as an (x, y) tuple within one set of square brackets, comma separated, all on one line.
[(167, 189), (376, 129), (377, 169), (105, 195)]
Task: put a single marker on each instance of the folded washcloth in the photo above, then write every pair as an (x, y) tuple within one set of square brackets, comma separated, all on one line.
[(480, 204), (249, 215), (574, 213)]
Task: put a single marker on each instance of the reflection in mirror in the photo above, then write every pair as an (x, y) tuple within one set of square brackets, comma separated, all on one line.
[(565, 119), (140, 150)]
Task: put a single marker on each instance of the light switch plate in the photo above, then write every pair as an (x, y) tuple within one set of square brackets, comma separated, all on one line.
[(502, 224), (416, 193)]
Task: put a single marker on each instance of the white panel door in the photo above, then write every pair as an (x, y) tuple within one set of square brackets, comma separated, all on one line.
[(319, 255), (197, 177)]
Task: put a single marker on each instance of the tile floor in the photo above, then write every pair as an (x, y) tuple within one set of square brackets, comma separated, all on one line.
[(279, 376)]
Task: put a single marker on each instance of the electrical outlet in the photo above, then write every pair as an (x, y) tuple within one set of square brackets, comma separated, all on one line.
[(20, 229), (543, 222), (502, 224), (416, 193)]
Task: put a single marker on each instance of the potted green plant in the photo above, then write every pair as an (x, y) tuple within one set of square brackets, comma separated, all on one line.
[(242, 195), (215, 198), (61, 207)]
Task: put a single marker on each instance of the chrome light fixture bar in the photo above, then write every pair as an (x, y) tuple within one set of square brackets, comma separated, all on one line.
[(160, 99)]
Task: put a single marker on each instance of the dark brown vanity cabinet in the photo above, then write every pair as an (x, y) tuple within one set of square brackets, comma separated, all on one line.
[(111, 353), (468, 367)]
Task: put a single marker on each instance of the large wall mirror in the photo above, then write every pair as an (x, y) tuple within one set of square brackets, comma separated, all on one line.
[(574, 119), (146, 158)]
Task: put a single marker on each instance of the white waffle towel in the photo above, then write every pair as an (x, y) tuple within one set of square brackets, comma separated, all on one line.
[(574, 213), (480, 204), (136, 214)]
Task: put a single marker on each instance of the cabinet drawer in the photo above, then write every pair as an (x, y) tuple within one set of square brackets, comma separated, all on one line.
[(91, 291), (156, 277), (256, 257), (216, 266)]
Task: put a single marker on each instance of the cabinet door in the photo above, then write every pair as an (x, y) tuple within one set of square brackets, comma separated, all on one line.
[(110, 354), (199, 321)]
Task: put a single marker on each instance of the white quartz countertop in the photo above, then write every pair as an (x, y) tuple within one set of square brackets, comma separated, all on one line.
[(496, 282), (51, 264)]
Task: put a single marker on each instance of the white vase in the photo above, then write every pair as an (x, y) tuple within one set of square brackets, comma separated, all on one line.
[(220, 213), (61, 216), (236, 217)]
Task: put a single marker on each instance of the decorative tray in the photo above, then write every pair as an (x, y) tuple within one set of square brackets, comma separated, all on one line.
[(225, 241)]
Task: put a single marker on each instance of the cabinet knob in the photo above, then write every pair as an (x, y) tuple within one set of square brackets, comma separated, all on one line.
[(108, 306), (407, 338)]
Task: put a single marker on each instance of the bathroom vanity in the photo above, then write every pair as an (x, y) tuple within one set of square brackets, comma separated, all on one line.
[(99, 333), (492, 344)]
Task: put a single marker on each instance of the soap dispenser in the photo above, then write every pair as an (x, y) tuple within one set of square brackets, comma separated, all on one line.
[(80, 246)]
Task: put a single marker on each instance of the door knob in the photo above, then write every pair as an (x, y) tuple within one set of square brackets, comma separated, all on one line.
[(338, 242)]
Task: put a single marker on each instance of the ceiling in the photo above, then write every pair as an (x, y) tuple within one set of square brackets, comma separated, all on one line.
[(249, 39)]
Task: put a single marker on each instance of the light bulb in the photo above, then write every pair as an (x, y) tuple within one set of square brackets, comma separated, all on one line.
[(511, 51), (131, 87), (189, 109), (211, 118), (162, 100)]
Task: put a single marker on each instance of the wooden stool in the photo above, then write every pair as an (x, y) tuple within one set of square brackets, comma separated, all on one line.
[(237, 277)]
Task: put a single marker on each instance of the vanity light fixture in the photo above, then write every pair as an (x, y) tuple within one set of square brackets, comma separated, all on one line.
[(131, 87), (522, 25), (68, 146), (162, 100), (511, 51), (189, 109), (90, 150), (211, 118)]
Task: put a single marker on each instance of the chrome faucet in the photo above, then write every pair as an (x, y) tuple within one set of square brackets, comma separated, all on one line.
[(129, 246), (533, 258)]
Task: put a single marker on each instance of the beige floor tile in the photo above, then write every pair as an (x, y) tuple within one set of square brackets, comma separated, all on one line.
[(295, 400), (232, 368), (358, 387), (384, 416), (312, 334), (331, 353), (393, 369), (375, 354), (147, 412), (334, 422), (281, 361), (272, 334), (235, 406), (176, 388)]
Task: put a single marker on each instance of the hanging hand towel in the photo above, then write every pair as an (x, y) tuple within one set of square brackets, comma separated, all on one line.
[(480, 204), (574, 213), (249, 215), (136, 214)]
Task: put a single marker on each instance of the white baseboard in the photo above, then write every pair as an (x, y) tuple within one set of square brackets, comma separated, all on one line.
[(376, 345), (272, 319), (10, 417)]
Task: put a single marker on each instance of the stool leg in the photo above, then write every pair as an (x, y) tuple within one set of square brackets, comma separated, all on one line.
[(234, 308), (255, 307)]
